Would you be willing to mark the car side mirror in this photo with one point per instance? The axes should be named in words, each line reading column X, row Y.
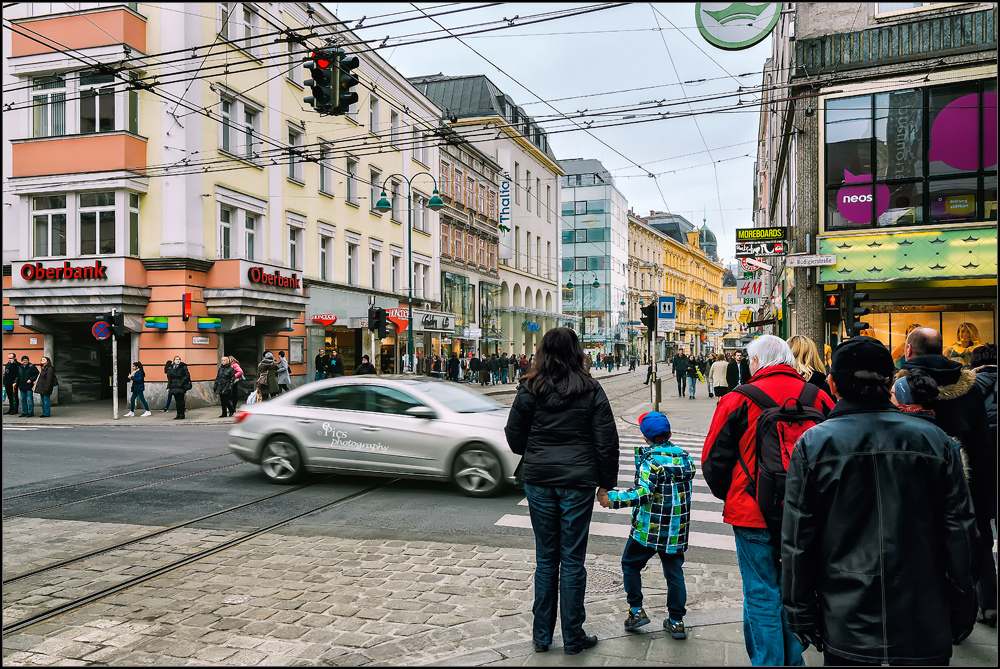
column 421, row 412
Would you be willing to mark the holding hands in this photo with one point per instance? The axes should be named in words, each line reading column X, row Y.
column 602, row 497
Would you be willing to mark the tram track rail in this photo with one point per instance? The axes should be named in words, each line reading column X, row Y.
column 188, row 559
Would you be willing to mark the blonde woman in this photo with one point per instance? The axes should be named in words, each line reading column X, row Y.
column 808, row 362
column 717, row 376
column 967, row 339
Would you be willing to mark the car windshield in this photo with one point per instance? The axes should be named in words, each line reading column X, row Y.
column 455, row 398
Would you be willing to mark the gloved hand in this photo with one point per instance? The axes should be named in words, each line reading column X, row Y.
column 812, row 637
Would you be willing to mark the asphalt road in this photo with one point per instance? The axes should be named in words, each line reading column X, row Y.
column 159, row 475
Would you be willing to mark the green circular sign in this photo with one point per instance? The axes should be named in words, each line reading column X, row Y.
column 736, row 25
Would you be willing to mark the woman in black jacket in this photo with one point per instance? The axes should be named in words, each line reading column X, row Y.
column 225, row 378
column 178, row 383
column 561, row 423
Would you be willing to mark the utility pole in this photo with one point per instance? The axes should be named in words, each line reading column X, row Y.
column 114, row 366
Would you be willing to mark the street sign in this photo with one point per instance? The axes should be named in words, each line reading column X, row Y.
column 101, row 330
column 668, row 307
column 747, row 267
column 755, row 265
column 760, row 249
column 812, row 261
column 666, row 325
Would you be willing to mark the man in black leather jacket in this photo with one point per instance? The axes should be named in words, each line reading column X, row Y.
column 878, row 532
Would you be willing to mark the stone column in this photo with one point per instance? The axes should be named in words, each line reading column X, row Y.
column 808, row 296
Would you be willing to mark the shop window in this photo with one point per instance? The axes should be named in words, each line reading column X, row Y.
column 97, row 223
column 912, row 157
column 97, row 102
column 225, row 233
column 49, row 225
column 49, row 107
column 133, row 224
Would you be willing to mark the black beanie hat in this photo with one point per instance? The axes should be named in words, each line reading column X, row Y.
column 862, row 354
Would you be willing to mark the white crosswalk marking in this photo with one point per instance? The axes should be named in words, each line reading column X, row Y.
column 707, row 527
column 28, row 428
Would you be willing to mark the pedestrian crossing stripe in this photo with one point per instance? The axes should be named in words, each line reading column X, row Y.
column 695, row 539
column 24, row 428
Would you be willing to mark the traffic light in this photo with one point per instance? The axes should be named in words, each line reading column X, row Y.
column 854, row 313
column 832, row 304
column 649, row 318
column 343, row 96
column 115, row 323
column 186, row 307
column 377, row 321
column 320, row 66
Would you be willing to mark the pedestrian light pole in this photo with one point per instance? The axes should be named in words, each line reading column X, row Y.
column 434, row 204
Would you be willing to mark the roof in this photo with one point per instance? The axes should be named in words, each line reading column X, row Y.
column 586, row 166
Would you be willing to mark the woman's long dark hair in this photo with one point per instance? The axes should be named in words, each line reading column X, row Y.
column 559, row 365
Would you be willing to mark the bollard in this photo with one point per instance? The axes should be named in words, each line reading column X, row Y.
column 656, row 394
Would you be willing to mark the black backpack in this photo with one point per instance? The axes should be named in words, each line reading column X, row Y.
column 778, row 428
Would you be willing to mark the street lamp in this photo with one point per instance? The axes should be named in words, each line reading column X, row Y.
column 434, row 204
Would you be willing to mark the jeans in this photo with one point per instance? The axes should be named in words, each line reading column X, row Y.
column 692, row 384
column 166, row 407
column 142, row 398
column 560, row 518
column 27, row 402
column 765, row 632
column 503, row 375
column 319, row 375
column 46, row 405
column 634, row 559
column 681, row 384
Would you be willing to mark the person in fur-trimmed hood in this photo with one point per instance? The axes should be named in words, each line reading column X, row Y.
column 960, row 410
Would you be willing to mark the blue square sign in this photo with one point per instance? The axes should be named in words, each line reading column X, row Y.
column 668, row 307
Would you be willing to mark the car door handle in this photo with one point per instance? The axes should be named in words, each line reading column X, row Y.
column 305, row 421
column 370, row 429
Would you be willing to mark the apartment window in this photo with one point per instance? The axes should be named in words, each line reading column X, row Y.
column 493, row 206
column 492, row 257
column 353, row 258
column 456, row 244
column 293, row 247
column 251, row 128
column 295, row 55
column 294, row 159
column 482, row 199
column 396, row 270
column 97, row 223
column 459, row 187
column 444, row 180
column 133, row 224
column 225, row 234
column 324, row 258
column 376, row 269
column 527, row 189
column 248, row 30
column 538, row 256
column 352, row 181
column 373, row 115
column 445, row 239
column 470, row 192
column 538, row 198
column 886, row 7
column 517, row 183
column 352, row 111
column 49, row 225
column 420, row 217
column 420, row 151
column 49, row 107
column 527, row 251
column 226, row 134
column 470, row 249
column 97, row 102
column 517, row 246
column 549, row 269
column 325, row 170
column 548, row 204
column 396, row 201
column 250, row 233
column 581, row 263
column 374, row 192
column 394, row 127
column 481, row 255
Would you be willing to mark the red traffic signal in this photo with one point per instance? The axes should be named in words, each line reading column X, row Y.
column 833, row 301
column 320, row 59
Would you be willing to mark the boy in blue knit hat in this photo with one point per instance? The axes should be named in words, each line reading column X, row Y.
column 661, row 519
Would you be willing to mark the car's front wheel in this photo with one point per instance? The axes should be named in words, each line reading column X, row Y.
column 477, row 471
column 281, row 460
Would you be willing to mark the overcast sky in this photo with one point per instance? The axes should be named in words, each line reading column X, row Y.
column 615, row 49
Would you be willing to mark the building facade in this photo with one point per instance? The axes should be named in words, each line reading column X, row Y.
column 595, row 255
column 215, row 182
column 892, row 111
column 526, row 302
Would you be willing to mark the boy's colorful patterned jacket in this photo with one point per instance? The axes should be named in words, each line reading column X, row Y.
column 661, row 497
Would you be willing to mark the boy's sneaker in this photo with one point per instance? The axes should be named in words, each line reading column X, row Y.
column 129, row 414
column 636, row 620
column 676, row 628
column 148, row 413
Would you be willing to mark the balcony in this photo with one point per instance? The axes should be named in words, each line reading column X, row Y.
column 72, row 154
column 898, row 43
column 100, row 27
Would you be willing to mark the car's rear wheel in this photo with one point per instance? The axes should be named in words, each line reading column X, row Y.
column 477, row 471
column 281, row 460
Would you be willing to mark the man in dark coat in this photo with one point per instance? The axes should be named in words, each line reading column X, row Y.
column 680, row 368
column 10, row 381
column 504, row 364
column 739, row 370
column 474, row 369
column 322, row 363
column 453, row 366
column 366, row 367
column 878, row 532
column 26, row 375
column 494, row 369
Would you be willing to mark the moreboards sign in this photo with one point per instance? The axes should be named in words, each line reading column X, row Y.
column 275, row 278
column 39, row 272
column 758, row 242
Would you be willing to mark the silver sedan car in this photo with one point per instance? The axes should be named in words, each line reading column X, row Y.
column 408, row 426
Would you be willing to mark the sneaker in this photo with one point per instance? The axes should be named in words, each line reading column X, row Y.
column 676, row 628
column 129, row 414
column 636, row 620
column 148, row 413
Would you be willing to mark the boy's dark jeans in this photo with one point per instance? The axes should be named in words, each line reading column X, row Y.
column 635, row 557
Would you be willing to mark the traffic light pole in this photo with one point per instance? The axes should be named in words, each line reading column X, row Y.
column 114, row 369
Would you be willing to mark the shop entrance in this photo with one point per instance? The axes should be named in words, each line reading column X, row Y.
column 83, row 364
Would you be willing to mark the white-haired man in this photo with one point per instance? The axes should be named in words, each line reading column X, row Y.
column 728, row 463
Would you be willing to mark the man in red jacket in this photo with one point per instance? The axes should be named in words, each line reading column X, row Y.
column 732, row 436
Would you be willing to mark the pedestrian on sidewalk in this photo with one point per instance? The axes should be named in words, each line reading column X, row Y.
column 562, row 424
column 494, row 369
column 45, row 384
column 167, row 366
column 454, row 367
column 26, row 375
column 322, row 362
column 878, row 535
column 524, row 366
column 730, row 445
column 504, row 367
column 138, row 378
column 473, row 368
column 237, row 377
column 366, row 366
column 284, row 378
column 10, row 369
column 649, row 373
column 679, row 365
column 692, row 377
column 808, row 363
column 267, row 376
column 661, row 520
column 717, row 376
column 739, row 370
column 178, row 383
column 225, row 378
